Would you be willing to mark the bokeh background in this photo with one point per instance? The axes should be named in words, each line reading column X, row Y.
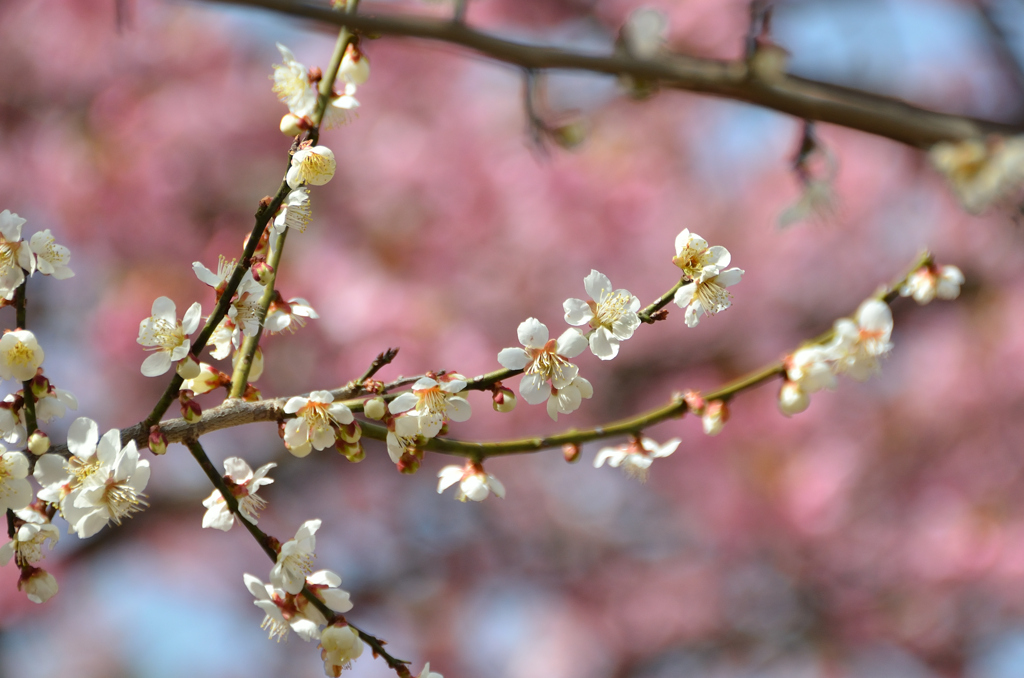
column 879, row 534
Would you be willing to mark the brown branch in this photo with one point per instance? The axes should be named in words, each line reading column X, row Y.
column 807, row 99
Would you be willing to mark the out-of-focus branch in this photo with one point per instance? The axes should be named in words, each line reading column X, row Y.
column 808, row 99
column 1001, row 45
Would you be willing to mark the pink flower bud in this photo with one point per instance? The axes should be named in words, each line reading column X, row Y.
column 571, row 452
column 157, row 440
column 38, row 443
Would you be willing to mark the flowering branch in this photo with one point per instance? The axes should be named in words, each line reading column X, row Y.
column 803, row 98
column 270, row 546
column 30, row 396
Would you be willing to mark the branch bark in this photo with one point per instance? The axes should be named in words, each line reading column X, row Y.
column 806, row 99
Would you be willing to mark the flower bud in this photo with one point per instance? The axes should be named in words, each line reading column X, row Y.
column 375, row 408
column 715, row 415
column 190, row 409
column 38, row 584
column 262, row 272
column 350, row 433
column 408, row 464
column 38, row 443
column 769, row 62
column 40, row 385
column 571, row 452
column 157, row 440
column 340, row 645
column 292, row 125
column 354, row 66
column 354, row 452
column 694, row 403
column 252, row 394
column 503, row 400
column 188, row 368
column 792, row 399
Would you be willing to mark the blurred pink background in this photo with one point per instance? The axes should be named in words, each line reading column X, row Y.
column 879, row 534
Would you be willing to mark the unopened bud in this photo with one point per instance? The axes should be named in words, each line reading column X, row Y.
column 354, row 452
column 190, row 409
column 188, row 368
column 793, row 399
column 694, row 402
column 293, row 125
column 315, row 74
column 354, row 66
column 769, row 62
column 660, row 314
column 40, row 384
column 350, row 433
column 157, row 440
column 715, row 415
column 38, row 443
column 252, row 394
column 38, row 584
column 408, row 464
column 503, row 400
column 571, row 452
column 262, row 272
column 570, row 135
column 375, row 408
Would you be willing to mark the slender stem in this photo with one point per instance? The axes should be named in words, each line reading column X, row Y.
column 263, row 215
column 459, row 15
column 345, row 37
column 647, row 312
column 267, row 542
column 240, row 375
column 29, row 405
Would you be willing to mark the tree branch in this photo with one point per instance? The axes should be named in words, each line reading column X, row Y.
column 808, row 99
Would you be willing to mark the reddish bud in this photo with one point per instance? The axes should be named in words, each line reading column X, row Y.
column 571, row 452
column 157, row 440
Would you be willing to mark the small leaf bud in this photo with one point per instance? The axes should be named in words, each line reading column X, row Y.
column 190, row 409
column 157, row 440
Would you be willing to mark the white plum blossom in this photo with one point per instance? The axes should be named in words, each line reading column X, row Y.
column 314, row 165
column 281, row 612
column 611, row 314
column 698, row 261
column 354, row 68
column 314, row 422
column 475, row 484
column 859, row 342
column 50, row 405
column 294, row 212
column 225, row 337
column 28, row 542
column 244, row 484
column 110, row 479
column 295, row 559
column 981, row 172
column 545, row 362
column 341, row 645
column 432, row 403
column 292, row 85
column 15, row 490
column 219, row 280
column 245, row 307
column 324, row 584
column 811, row 368
column 20, row 355
column 339, row 108
column 167, row 337
column 287, row 315
column 635, row 457
column 645, row 32
column 402, row 432
column 929, row 282
column 15, row 255
column 568, row 399
column 51, row 258
column 716, row 413
column 707, row 296
column 427, row 673
column 38, row 584
column 792, row 398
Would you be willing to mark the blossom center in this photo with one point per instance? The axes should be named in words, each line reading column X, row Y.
column 122, row 500
column 712, row 297
column 167, row 335
column 611, row 309
column 20, row 354
column 547, row 363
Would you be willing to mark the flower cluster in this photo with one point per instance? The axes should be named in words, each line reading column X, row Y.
column 317, row 422
column 981, row 172
column 296, row 86
column 704, row 269
column 548, row 375
column 431, row 404
column 18, row 258
column 855, row 348
column 244, row 484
